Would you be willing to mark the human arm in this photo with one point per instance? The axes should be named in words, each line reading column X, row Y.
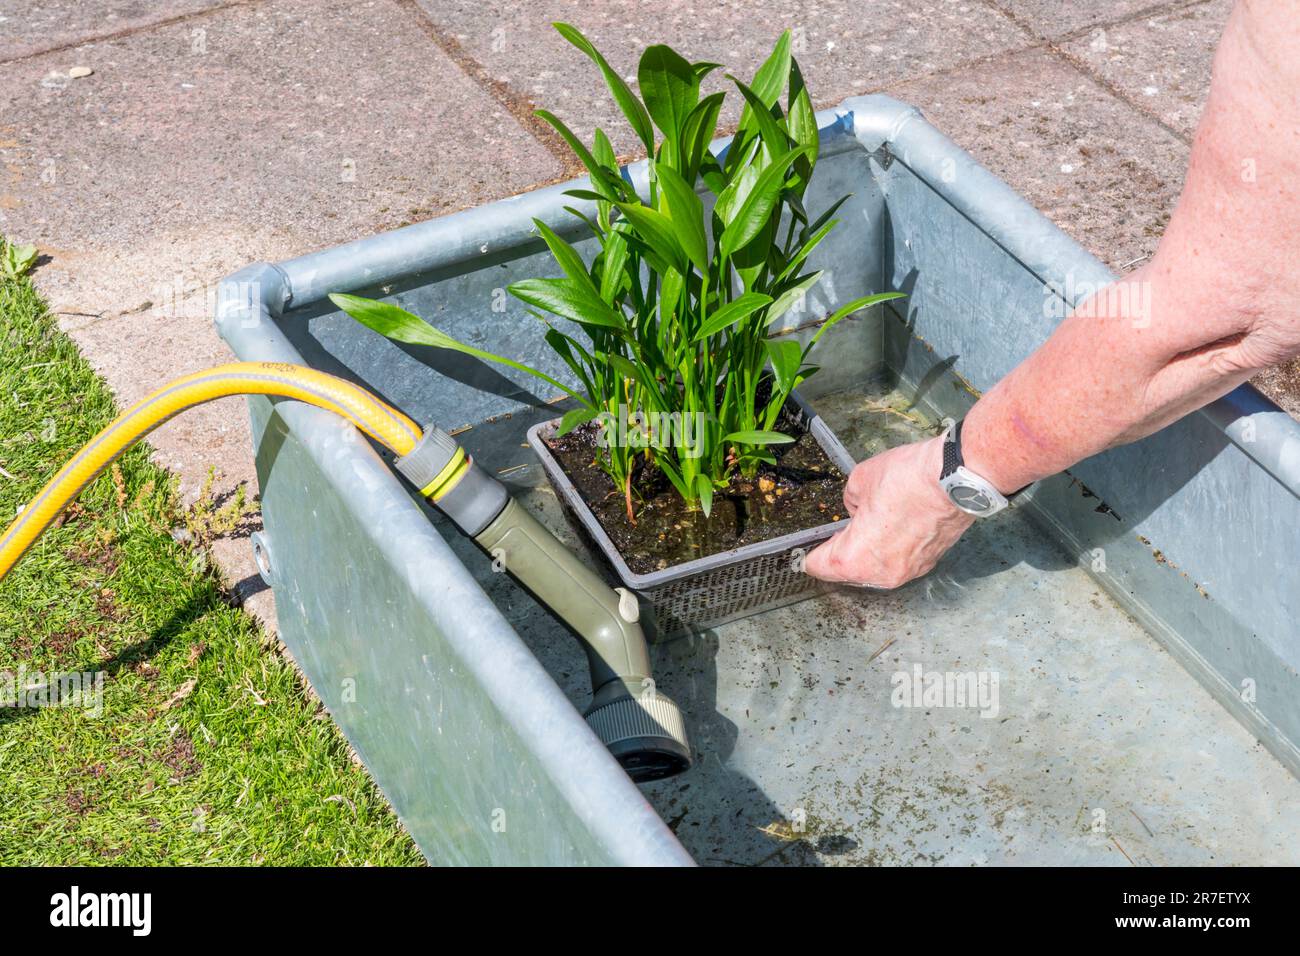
column 1215, row 305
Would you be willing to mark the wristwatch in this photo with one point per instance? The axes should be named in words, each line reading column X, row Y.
column 965, row 489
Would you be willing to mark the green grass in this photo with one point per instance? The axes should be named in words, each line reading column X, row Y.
column 209, row 749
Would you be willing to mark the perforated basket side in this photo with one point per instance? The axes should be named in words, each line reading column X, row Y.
column 729, row 593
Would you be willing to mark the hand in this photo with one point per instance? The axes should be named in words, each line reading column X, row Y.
column 902, row 520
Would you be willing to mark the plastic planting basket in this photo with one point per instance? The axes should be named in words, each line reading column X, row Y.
column 713, row 590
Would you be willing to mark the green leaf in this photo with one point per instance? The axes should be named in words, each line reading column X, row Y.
column 624, row 367
column 704, row 68
column 791, row 197
column 586, row 194
column 788, row 297
column 687, row 214
column 752, row 214
column 767, row 84
column 772, row 75
column 564, row 347
column 750, row 262
column 738, row 189
column 603, row 150
column 774, row 137
column 398, row 324
column 669, row 86
column 570, row 300
column 670, row 293
column 392, row 321
column 565, row 255
column 824, row 218
column 802, row 122
column 742, row 307
column 712, row 174
column 674, row 475
column 758, row 437
column 19, row 260
column 631, row 106
column 650, row 255
column 656, row 230
column 612, row 266
column 600, row 182
column 851, row 307
column 578, row 214
column 786, row 356
column 572, row 419
column 697, row 134
column 704, row 485
column 806, row 250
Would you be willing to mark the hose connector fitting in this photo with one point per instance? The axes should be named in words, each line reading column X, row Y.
column 448, row 477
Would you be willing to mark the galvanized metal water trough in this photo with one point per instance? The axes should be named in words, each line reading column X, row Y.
column 430, row 664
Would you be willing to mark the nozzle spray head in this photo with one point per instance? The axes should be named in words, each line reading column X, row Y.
column 643, row 729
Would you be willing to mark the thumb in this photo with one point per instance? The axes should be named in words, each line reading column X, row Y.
column 818, row 561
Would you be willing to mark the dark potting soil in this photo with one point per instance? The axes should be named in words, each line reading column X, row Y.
column 803, row 490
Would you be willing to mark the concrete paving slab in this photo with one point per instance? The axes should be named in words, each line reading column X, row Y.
column 1282, row 384
column 1054, row 19
column 35, row 27
column 1161, row 64
column 294, row 124
column 845, row 48
column 1105, row 174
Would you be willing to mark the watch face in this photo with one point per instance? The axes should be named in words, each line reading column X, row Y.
column 971, row 499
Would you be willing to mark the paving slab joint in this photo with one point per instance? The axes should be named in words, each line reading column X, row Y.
column 1056, row 46
column 111, row 35
column 519, row 107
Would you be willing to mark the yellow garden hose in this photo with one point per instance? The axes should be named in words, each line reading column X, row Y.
column 646, row 733
column 381, row 422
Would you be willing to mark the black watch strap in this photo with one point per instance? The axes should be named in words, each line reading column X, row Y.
column 952, row 459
